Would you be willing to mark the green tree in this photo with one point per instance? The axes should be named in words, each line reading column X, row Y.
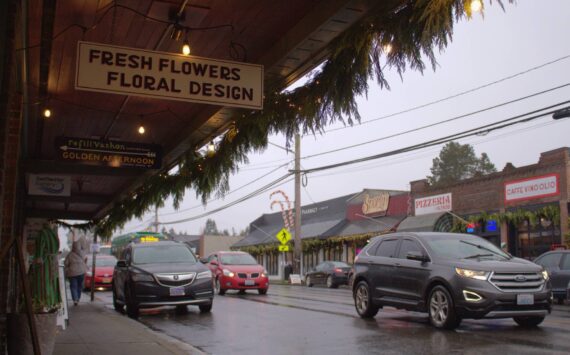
column 211, row 228
column 457, row 162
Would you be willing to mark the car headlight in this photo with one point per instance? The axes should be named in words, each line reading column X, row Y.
column 204, row 275
column 228, row 273
column 264, row 273
column 140, row 277
column 545, row 275
column 472, row 274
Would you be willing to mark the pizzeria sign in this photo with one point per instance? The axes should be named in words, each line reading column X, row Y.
column 141, row 72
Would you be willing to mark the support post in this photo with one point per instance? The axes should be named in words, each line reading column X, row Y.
column 93, row 269
column 297, row 252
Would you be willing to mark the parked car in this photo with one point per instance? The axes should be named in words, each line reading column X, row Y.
column 330, row 273
column 161, row 274
column 237, row 270
column 557, row 263
column 451, row 277
column 104, row 267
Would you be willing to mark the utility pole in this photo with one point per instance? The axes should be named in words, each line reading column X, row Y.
column 297, row 252
column 156, row 219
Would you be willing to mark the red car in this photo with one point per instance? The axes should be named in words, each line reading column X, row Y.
column 104, row 272
column 236, row 270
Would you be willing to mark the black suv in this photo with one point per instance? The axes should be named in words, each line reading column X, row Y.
column 160, row 274
column 449, row 276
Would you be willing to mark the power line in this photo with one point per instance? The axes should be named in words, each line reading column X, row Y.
column 455, row 95
column 475, row 131
column 436, row 123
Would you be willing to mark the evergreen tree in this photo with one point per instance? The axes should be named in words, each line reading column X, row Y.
column 457, row 162
column 211, row 228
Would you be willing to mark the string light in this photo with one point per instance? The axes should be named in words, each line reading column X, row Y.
column 387, row 48
column 141, row 129
column 47, row 113
column 211, row 149
column 476, row 5
column 186, row 45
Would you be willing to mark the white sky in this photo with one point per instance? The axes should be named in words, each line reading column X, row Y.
column 528, row 34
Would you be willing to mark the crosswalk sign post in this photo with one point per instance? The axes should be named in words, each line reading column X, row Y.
column 284, row 236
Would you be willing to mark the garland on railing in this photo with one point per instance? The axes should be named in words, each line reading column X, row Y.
column 516, row 217
column 412, row 29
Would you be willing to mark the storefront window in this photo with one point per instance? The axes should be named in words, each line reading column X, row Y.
column 532, row 241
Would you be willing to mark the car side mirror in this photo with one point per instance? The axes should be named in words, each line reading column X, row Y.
column 214, row 262
column 414, row 255
column 204, row 261
column 121, row 263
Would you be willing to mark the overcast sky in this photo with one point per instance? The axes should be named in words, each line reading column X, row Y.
column 526, row 35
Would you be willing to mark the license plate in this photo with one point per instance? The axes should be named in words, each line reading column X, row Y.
column 525, row 299
column 249, row 282
column 106, row 281
column 177, row 291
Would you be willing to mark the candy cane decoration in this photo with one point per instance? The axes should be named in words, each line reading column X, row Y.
column 287, row 214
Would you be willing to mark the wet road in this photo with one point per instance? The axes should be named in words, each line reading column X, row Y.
column 301, row 320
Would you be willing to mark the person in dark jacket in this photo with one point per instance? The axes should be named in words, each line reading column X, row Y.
column 75, row 266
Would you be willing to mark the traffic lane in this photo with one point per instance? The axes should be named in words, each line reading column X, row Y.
column 297, row 320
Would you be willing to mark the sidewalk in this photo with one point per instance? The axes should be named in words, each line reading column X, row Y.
column 95, row 329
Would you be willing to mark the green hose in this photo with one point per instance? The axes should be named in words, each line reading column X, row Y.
column 44, row 272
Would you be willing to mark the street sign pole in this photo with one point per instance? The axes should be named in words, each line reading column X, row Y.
column 297, row 252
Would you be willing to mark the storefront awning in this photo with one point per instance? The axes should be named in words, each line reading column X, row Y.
column 434, row 222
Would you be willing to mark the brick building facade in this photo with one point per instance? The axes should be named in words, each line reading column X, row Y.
column 526, row 189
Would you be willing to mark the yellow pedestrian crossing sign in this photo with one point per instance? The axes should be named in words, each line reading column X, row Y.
column 283, row 248
column 283, row 236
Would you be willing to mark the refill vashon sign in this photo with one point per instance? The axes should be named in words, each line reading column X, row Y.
column 140, row 72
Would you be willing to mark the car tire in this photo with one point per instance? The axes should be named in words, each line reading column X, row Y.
column 529, row 322
column 262, row 291
column 330, row 282
column 219, row 290
column 441, row 307
column 363, row 303
column 132, row 308
column 308, row 281
column 206, row 308
column 118, row 306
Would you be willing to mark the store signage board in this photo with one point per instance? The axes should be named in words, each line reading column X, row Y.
column 376, row 204
column 49, row 185
column 109, row 153
column 141, row 72
column 433, row 204
column 536, row 187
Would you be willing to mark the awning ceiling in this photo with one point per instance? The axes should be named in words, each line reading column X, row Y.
column 287, row 37
column 434, row 222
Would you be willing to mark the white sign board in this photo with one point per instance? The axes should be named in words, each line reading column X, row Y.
column 295, row 279
column 95, row 247
column 49, row 185
column 527, row 189
column 141, row 72
column 433, row 204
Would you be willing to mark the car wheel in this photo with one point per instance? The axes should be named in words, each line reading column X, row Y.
column 308, row 281
column 219, row 290
column 262, row 291
column 132, row 308
column 442, row 313
column 363, row 301
column 118, row 307
column 330, row 282
column 529, row 322
column 205, row 308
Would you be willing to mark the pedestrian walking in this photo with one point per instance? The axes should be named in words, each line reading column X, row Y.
column 75, row 266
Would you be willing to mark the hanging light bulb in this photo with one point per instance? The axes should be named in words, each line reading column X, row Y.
column 387, row 48
column 141, row 129
column 211, row 149
column 186, row 47
column 476, row 5
column 47, row 113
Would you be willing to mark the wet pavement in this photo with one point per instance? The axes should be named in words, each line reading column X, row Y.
column 301, row 320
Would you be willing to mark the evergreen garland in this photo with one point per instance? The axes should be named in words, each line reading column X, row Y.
column 413, row 29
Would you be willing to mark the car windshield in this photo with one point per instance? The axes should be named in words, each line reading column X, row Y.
column 464, row 248
column 106, row 261
column 163, row 254
column 238, row 259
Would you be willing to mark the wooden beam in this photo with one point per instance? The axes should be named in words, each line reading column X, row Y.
column 66, row 168
column 58, row 214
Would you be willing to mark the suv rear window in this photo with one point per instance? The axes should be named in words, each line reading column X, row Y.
column 163, row 254
column 550, row 260
column 387, row 248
